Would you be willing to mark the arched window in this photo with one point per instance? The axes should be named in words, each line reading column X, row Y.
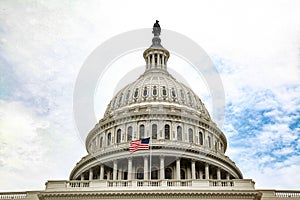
column 154, row 91
column 190, row 98
column 182, row 174
column 129, row 133
column 167, row 131
column 182, row 95
column 221, row 147
column 136, row 93
column 173, row 92
column 145, row 93
column 164, row 91
column 108, row 139
column 101, row 142
column 128, row 94
column 168, row 173
column 140, row 173
column 142, row 131
column 209, row 141
column 120, row 100
column 200, row 138
column 154, row 131
column 119, row 136
column 191, row 136
column 179, row 133
column 154, row 173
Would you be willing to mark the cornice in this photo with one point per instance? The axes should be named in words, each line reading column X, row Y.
column 140, row 194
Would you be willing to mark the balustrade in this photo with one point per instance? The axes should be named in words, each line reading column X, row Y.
column 78, row 184
column 13, row 195
column 287, row 194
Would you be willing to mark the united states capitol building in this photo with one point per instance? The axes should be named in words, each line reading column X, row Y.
column 186, row 159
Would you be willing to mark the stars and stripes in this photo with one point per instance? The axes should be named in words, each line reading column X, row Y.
column 142, row 144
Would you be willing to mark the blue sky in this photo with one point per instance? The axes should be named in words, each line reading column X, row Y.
column 253, row 44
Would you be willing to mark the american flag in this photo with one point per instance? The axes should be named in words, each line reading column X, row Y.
column 142, row 144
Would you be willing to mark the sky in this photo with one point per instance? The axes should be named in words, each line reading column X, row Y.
column 253, row 44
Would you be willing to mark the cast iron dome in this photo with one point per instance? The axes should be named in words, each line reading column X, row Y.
column 185, row 142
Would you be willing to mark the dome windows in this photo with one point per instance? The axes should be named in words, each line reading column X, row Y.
column 120, row 100
column 164, row 91
column 128, row 95
column 182, row 95
column 191, row 135
column 173, row 93
column 119, row 136
column 179, row 133
column 129, row 133
column 154, row 131
column 145, row 92
column 209, row 141
column 101, row 142
column 108, row 139
column 168, row 173
column 154, row 91
column 167, row 131
column 136, row 93
column 142, row 131
column 200, row 138
column 190, row 98
column 140, row 173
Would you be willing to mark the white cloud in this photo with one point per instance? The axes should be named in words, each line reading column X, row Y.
column 45, row 44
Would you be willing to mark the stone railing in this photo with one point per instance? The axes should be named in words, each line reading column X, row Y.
column 13, row 195
column 245, row 184
column 76, row 184
column 287, row 194
column 221, row 183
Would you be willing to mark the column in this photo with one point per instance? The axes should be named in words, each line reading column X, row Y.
column 178, row 169
column 82, row 176
column 158, row 59
column 91, row 174
column 162, row 168
column 228, row 176
column 152, row 61
column 148, row 62
column 206, row 171
column 146, row 171
column 120, row 171
column 108, row 175
column 101, row 172
column 188, row 173
column 200, row 174
column 129, row 168
column 193, row 166
column 219, row 174
column 115, row 170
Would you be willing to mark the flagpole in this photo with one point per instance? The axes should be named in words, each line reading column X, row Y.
column 150, row 157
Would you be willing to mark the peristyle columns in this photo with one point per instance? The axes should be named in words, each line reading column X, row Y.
column 206, row 171
column 178, row 169
column 146, row 167
column 162, row 167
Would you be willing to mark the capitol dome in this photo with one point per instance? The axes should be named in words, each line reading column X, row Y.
column 185, row 144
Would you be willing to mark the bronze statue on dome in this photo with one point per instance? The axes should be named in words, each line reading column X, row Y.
column 156, row 29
